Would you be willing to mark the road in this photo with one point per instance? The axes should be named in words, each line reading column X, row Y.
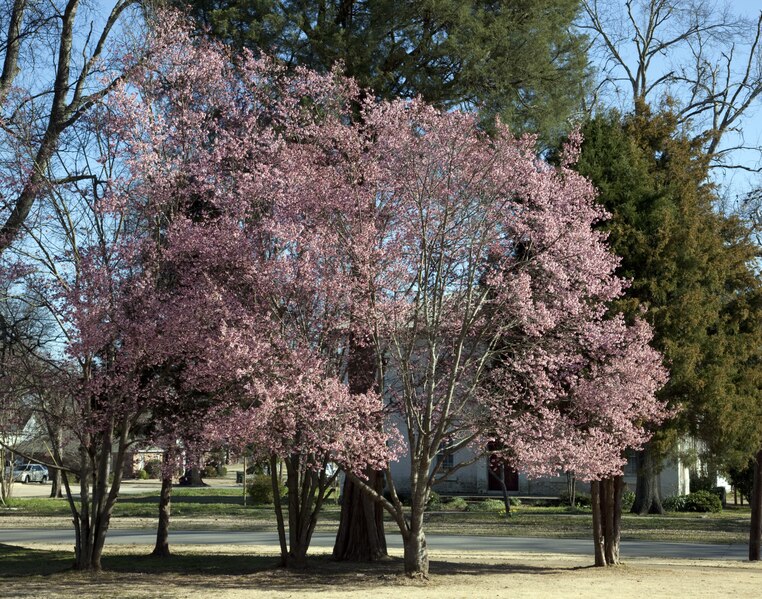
column 442, row 542
column 128, row 487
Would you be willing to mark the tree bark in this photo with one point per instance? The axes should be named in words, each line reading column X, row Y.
column 307, row 490
column 56, row 488
column 161, row 548
column 598, row 544
column 361, row 535
column 96, row 499
column 361, row 527
column 755, row 529
column 613, row 533
column 503, row 488
column 647, row 492
column 297, row 547
column 606, row 499
column 416, row 554
column 196, row 480
column 275, row 479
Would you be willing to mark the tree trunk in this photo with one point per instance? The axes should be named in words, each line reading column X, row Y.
column 361, row 535
column 297, row 548
column 307, row 490
column 56, row 488
column 275, row 479
column 96, row 499
column 56, row 436
column 196, row 480
column 361, row 527
column 598, row 544
column 647, row 492
column 606, row 499
column 613, row 532
column 755, row 529
column 6, row 479
column 503, row 487
column 571, row 488
column 416, row 554
column 165, row 507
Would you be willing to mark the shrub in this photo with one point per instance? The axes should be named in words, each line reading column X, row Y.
column 628, row 500
column 743, row 479
column 435, row 502
column 702, row 482
column 153, row 468
column 222, row 471
column 260, row 489
column 700, row 501
column 488, row 505
column 141, row 474
column 675, row 503
column 209, row 471
column 456, row 504
column 580, row 499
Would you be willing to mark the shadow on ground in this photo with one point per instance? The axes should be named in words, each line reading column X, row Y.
column 231, row 571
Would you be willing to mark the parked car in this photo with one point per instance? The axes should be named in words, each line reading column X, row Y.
column 27, row 473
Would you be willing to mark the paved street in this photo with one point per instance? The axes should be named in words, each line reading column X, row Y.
column 128, row 487
column 444, row 542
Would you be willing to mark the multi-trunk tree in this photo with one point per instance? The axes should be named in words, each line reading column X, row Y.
column 473, row 253
column 261, row 231
column 518, row 60
column 450, row 250
column 236, row 232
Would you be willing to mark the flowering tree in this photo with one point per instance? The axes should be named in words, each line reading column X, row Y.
column 315, row 425
column 269, row 232
column 223, row 158
column 573, row 404
column 486, row 289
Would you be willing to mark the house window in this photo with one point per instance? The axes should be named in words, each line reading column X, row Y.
column 631, row 467
column 445, row 459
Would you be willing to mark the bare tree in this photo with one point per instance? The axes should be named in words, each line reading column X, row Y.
column 23, row 331
column 53, row 71
column 697, row 55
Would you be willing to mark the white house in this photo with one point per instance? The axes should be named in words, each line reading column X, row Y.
column 475, row 478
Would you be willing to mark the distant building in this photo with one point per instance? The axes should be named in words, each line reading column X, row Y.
column 475, row 479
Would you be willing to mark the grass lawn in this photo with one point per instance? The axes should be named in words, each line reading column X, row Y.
column 221, row 508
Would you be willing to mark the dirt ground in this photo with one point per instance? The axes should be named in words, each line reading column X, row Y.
column 453, row 575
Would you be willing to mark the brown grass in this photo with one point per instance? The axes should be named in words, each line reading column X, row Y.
column 250, row 572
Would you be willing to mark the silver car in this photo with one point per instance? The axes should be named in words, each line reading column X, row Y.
column 27, row 473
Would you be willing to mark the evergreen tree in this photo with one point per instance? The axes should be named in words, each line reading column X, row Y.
column 515, row 58
column 690, row 266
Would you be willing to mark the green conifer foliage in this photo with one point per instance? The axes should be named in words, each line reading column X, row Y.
column 693, row 268
column 515, row 58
